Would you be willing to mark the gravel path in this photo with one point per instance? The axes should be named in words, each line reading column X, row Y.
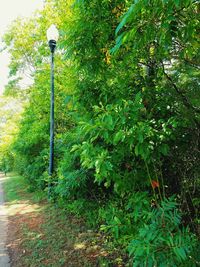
column 4, row 259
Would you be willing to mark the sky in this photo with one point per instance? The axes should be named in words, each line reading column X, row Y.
column 10, row 10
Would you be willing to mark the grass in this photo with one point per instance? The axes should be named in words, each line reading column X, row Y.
column 41, row 234
column 17, row 188
column 11, row 188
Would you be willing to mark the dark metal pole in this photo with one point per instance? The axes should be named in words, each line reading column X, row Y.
column 52, row 118
column 52, row 45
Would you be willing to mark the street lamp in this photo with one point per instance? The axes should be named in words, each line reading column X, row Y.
column 52, row 36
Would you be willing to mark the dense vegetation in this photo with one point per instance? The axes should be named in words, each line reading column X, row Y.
column 127, row 119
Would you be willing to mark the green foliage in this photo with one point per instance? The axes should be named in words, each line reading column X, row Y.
column 10, row 109
column 118, row 139
column 122, row 218
column 30, row 55
column 7, row 161
column 153, row 231
column 160, row 240
column 127, row 118
column 73, row 181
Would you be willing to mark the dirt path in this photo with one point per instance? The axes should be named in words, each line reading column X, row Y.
column 42, row 234
column 4, row 259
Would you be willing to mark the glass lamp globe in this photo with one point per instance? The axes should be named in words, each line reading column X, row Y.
column 52, row 33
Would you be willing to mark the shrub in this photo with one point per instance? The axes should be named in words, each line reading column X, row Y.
column 162, row 240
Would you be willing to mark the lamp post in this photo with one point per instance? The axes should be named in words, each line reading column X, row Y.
column 52, row 36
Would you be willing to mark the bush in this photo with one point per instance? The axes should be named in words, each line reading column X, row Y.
column 162, row 240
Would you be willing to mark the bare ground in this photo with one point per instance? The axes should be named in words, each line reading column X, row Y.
column 39, row 234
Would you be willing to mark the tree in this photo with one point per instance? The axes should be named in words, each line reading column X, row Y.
column 127, row 118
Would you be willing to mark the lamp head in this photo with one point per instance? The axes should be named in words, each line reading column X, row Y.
column 52, row 33
column 52, row 37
